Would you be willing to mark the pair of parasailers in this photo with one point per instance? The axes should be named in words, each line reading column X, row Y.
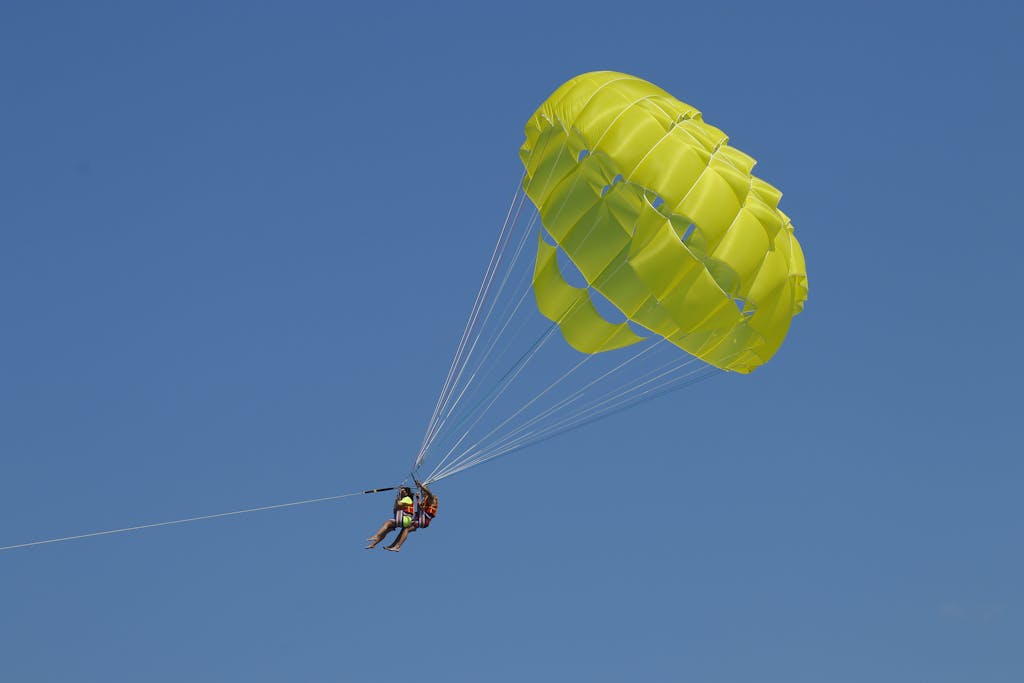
column 411, row 511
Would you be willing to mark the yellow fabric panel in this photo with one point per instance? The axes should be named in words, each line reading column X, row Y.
column 575, row 194
column 555, row 297
column 630, row 292
column 712, row 203
column 738, row 159
column 737, row 179
column 627, row 288
column 549, row 161
column 582, row 326
column 743, row 248
column 627, row 202
column 674, row 156
column 707, row 137
column 663, row 262
column 620, row 170
column 768, row 194
column 583, row 330
column 629, row 137
column 594, row 241
column 738, row 348
column 798, row 269
column 647, row 222
column 770, row 219
column 620, row 282
column 623, row 99
column 772, row 321
column 567, row 204
column 770, row 277
column 697, row 302
column 598, row 113
column 653, row 316
column 549, row 155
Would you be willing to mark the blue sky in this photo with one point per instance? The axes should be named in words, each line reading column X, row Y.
column 237, row 248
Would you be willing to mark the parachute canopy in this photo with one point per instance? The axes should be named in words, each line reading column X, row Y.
column 654, row 239
column 664, row 219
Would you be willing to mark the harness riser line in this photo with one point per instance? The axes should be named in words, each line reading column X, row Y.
column 187, row 520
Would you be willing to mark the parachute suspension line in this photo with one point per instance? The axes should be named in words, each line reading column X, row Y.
column 450, row 461
column 596, row 408
column 568, row 400
column 550, row 387
column 480, row 407
column 522, row 408
column 497, row 388
column 505, row 382
column 601, row 408
column 514, row 208
column 567, row 374
column 188, row 520
column 448, row 407
column 608, row 406
column 451, row 404
column 583, row 420
column 475, row 450
column 661, row 383
column 530, row 432
column 468, row 332
column 519, row 199
column 592, row 414
column 497, row 391
column 526, row 433
column 509, row 316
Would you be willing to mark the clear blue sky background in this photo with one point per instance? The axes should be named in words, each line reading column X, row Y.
column 238, row 245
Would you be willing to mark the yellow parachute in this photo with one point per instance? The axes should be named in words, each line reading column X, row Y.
column 663, row 218
column 677, row 246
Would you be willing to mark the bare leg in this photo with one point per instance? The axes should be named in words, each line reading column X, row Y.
column 400, row 539
column 385, row 528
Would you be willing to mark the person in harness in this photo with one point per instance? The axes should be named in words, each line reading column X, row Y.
column 426, row 510
column 403, row 512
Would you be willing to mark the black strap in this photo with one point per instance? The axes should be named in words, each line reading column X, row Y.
column 389, row 488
